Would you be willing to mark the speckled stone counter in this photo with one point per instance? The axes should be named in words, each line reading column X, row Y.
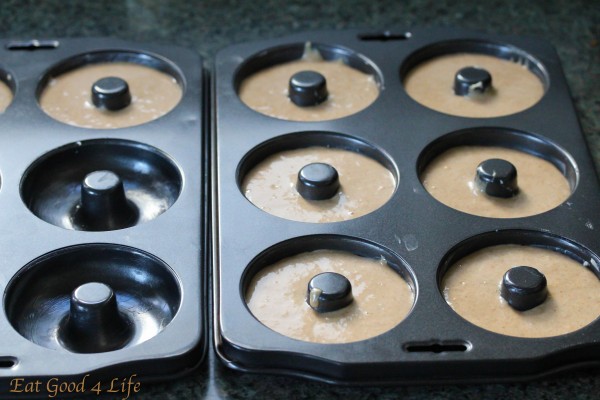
column 572, row 26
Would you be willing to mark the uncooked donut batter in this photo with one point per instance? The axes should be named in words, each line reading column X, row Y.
column 67, row 97
column 514, row 87
column 365, row 185
column 350, row 90
column 277, row 297
column 472, row 288
column 450, row 178
column 6, row 96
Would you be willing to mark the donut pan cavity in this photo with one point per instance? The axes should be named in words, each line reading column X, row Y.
column 104, row 267
column 433, row 343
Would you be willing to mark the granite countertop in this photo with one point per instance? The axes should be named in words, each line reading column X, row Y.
column 573, row 27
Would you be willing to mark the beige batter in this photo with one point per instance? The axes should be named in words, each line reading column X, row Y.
column 67, row 97
column 277, row 298
column 514, row 87
column 350, row 90
column 450, row 178
column 6, row 96
column 472, row 288
column 365, row 185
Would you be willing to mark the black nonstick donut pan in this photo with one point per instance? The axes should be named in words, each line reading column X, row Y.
column 418, row 235
column 103, row 239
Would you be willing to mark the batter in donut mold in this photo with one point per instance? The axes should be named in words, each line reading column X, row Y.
column 350, row 90
column 514, row 87
column 365, row 185
column 6, row 96
column 276, row 296
column 450, row 178
column 68, row 97
column 472, row 288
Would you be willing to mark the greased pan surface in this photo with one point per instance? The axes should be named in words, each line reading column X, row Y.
column 146, row 250
column 417, row 235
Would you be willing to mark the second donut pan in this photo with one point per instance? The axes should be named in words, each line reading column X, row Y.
column 103, row 238
column 417, row 235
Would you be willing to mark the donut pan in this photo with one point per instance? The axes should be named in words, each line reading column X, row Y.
column 103, row 266
column 418, row 236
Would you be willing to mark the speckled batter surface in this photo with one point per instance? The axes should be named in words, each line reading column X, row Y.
column 277, row 297
column 472, row 288
column 450, row 178
column 68, row 97
column 365, row 185
column 514, row 87
column 350, row 91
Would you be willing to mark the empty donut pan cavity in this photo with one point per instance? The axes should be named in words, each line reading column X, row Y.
column 417, row 235
column 89, row 205
column 101, row 185
column 118, row 297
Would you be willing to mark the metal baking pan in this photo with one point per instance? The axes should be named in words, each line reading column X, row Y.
column 96, row 284
column 418, row 235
